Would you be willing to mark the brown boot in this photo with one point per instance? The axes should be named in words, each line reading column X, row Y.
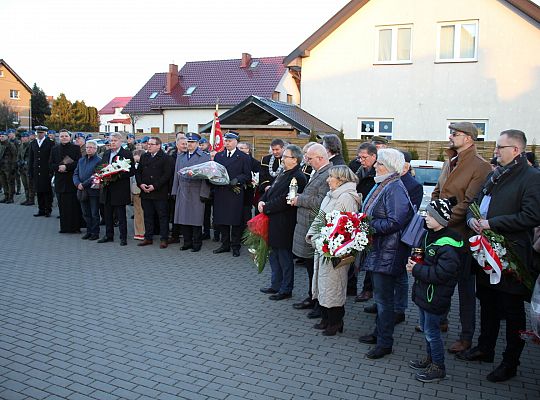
column 145, row 242
column 459, row 346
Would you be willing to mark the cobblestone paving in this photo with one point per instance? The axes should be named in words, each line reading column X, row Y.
column 81, row 320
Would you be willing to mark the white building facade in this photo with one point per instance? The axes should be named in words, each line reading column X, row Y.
column 406, row 69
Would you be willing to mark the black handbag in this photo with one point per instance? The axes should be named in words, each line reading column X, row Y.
column 413, row 232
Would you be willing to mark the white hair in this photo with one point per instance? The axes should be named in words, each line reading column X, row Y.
column 92, row 142
column 117, row 135
column 392, row 159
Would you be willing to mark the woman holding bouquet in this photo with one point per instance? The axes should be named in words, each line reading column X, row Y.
column 329, row 285
column 281, row 224
column 389, row 207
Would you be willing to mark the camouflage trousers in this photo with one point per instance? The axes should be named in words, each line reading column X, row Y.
column 27, row 184
column 7, row 181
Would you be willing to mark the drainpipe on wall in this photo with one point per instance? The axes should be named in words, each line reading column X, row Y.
column 162, row 121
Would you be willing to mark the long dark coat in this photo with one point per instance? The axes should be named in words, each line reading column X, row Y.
column 154, row 171
column 188, row 208
column 282, row 216
column 228, row 205
column 514, row 211
column 38, row 161
column 63, row 181
column 118, row 193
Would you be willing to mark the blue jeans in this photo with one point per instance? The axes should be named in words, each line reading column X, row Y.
column 401, row 293
column 90, row 212
column 383, row 293
column 430, row 324
column 282, row 265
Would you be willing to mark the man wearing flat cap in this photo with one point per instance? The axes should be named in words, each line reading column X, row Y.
column 229, row 200
column 39, row 170
column 379, row 141
column 462, row 177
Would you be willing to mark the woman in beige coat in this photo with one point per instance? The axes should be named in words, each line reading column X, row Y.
column 329, row 284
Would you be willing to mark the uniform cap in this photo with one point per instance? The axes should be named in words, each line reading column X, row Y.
column 232, row 135
column 193, row 137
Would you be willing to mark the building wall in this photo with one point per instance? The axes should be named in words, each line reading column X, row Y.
column 286, row 86
column 341, row 81
column 22, row 105
column 104, row 126
column 193, row 118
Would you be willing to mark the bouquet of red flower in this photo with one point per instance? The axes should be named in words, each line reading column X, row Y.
column 256, row 239
column 343, row 236
column 108, row 173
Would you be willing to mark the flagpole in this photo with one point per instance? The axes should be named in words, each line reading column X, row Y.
column 213, row 131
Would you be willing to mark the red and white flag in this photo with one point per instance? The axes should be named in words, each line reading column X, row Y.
column 216, row 136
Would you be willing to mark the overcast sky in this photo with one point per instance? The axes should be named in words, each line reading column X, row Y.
column 100, row 49
column 96, row 50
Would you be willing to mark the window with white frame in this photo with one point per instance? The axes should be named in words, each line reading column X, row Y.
column 457, row 41
column 394, row 44
column 481, row 125
column 1, row 73
column 368, row 127
column 14, row 94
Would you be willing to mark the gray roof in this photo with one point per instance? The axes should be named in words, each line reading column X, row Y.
column 261, row 111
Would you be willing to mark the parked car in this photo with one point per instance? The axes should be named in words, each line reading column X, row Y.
column 427, row 173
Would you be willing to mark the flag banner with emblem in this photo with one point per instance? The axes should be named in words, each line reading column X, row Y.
column 216, row 136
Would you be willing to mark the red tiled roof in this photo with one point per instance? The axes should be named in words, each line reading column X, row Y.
column 126, row 121
column 217, row 79
column 117, row 102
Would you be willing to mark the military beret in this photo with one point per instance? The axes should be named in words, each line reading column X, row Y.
column 3, row 133
column 467, row 128
column 131, row 135
column 25, row 134
column 89, row 136
column 379, row 140
column 80, row 134
column 145, row 139
column 232, row 135
column 11, row 130
column 203, row 140
column 193, row 137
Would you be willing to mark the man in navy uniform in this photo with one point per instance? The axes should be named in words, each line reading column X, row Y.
column 39, row 171
column 229, row 200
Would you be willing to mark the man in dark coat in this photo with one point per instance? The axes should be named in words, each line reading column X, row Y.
column 333, row 147
column 22, row 163
column 229, row 200
column 39, row 171
column 271, row 165
column 116, row 195
column 153, row 175
column 281, row 224
column 63, row 161
column 8, row 165
column 508, row 203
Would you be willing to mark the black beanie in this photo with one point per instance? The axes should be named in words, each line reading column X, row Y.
column 441, row 209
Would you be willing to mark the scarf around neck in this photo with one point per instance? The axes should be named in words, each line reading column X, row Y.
column 377, row 189
column 502, row 171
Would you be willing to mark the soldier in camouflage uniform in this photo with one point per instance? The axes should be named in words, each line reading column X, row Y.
column 22, row 163
column 8, row 163
column 12, row 137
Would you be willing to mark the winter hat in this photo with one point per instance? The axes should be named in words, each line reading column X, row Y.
column 441, row 210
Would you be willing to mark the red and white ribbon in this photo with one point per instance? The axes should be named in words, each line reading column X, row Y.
column 493, row 265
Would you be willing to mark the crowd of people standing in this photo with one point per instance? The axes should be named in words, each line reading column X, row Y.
column 378, row 182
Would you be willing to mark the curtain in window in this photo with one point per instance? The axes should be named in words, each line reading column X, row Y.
column 446, row 47
column 404, row 44
column 468, row 39
column 385, row 45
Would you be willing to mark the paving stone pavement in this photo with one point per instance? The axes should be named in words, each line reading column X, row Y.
column 81, row 320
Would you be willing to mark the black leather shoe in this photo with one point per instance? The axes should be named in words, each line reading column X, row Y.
column 399, row 318
column 186, row 247
column 104, row 239
column 221, row 250
column 196, row 249
column 280, row 296
column 48, row 214
column 372, row 309
column 368, row 339
column 93, row 237
column 502, row 373
column 315, row 313
column 378, row 352
column 305, row 304
column 87, row 236
column 475, row 354
column 236, row 253
column 205, row 236
column 39, row 214
column 123, row 242
column 268, row 290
